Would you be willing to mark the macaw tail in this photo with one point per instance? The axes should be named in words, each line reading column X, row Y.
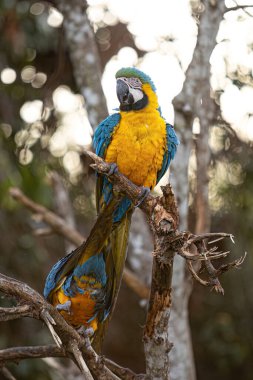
column 115, row 250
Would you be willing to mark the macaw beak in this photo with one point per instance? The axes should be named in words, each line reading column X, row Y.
column 123, row 93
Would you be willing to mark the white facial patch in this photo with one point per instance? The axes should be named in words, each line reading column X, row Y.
column 137, row 94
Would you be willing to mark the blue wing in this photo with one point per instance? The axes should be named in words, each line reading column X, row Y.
column 171, row 148
column 103, row 134
column 55, row 274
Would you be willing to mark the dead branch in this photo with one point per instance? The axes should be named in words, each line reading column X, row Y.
column 16, row 354
column 238, row 7
column 136, row 285
column 63, row 204
column 57, row 224
column 123, row 373
column 7, row 374
column 9, row 313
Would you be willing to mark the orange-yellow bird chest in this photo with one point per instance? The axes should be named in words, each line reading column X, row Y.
column 138, row 144
column 81, row 311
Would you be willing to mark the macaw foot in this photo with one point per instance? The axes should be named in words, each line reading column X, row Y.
column 64, row 306
column 86, row 332
column 144, row 193
column 113, row 169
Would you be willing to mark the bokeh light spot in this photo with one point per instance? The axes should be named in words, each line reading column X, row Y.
column 55, row 18
column 28, row 73
column 31, row 111
column 39, row 80
column 37, row 8
column 25, row 156
column 8, row 75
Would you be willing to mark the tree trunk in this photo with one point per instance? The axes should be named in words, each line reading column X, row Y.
column 82, row 47
column 194, row 101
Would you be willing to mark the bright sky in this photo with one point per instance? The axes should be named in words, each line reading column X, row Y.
column 154, row 25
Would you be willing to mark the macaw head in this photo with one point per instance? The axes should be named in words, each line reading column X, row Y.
column 133, row 88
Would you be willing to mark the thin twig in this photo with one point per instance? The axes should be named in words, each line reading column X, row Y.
column 7, row 374
column 57, row 223
column 81, row 363
column 49, row 321
column 123, row 373
column 8, row 313
column 237, row 7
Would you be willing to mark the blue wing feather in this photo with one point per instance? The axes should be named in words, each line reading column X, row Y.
column 55, row 274
column 170, row 151
column 103, row 134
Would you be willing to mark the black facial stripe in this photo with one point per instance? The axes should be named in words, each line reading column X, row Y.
column 135, row 106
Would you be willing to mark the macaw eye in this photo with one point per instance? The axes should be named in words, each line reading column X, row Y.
column 135, row 83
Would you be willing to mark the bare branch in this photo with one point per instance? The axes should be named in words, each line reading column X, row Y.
column 57, row 223
column 237, row 7
column 63, row 205
column 43, row 231
column 81, row 363
column 138, row 287
column 16, row 354
column 9, row 313
column 123, row 373
column 7, row 374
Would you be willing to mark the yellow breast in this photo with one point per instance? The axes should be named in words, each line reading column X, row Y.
column 81, row 311
column 138, row 143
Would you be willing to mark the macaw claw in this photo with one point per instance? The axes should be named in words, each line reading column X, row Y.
column 64, row 306
column 144, row 193
column 113, row 169
column 87, row 332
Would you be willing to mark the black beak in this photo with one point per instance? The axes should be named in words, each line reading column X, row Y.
column 123, row 94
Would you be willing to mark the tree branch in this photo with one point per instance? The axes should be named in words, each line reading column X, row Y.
column 237, row 7
column 123, row 373
column 63, row 205
column 58, row 224
column 15, row 354
column 9, row 313
column 7, row 374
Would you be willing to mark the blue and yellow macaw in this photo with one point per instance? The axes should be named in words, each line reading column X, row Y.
column 84, row 284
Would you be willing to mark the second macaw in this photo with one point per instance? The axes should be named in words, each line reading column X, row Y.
column 84, row 284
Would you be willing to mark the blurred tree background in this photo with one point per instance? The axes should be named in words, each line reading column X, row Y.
column 43, row 118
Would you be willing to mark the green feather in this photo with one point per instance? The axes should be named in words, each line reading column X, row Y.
column 132, row 72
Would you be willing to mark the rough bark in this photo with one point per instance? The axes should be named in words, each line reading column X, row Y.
column 84, row 56
column 194, row 101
